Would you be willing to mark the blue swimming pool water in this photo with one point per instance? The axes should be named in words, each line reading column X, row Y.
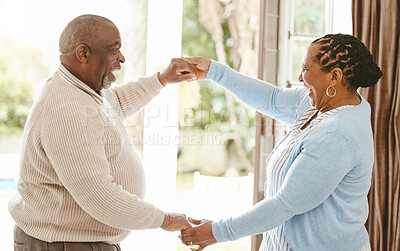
column 8, row 184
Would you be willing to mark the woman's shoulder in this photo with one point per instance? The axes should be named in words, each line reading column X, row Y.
column 352, row 123
column 353, row 117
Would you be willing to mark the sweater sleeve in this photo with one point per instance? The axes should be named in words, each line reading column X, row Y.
column 127, row 99
column 279, row 103
column 72, row 139
column 313, row 176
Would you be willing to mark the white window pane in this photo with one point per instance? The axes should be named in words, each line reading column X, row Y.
column 309, row 17
column 342, row 20
column 299, row 48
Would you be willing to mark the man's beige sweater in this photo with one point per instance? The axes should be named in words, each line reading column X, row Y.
column 80, row 177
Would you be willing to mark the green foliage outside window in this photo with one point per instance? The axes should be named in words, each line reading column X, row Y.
column 309, row 19
column 21, row 68
column 205, row 106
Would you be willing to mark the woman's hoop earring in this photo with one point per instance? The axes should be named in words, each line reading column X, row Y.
column 334, row 91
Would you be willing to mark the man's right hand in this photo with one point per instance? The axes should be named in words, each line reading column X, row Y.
column 177, row 71
column 175, row 222
column 200, row 66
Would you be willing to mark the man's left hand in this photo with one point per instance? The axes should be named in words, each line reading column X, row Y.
column 174, row 222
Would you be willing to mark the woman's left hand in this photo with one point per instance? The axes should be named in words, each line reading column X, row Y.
column 200, row 234
column 177, row 71
column 200, row 66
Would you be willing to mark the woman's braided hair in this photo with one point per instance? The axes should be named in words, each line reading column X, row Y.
column 350, row 55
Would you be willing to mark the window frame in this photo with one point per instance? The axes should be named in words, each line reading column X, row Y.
column 330, row 7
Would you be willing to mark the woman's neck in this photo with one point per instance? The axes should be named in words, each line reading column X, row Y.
column 341, row 99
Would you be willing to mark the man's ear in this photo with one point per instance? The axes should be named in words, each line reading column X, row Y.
column 82, row 53
column 336, row 76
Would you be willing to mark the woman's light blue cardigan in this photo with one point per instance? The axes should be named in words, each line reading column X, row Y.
column 323, row 199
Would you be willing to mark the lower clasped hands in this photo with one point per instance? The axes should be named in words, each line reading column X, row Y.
column 199, row 235
column 175, row 222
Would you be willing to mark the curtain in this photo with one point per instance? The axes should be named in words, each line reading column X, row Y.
column 376, row 23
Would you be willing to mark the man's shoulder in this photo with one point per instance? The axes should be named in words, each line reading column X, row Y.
column 59, row 91
column 59, row 98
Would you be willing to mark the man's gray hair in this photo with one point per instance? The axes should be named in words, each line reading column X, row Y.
column 81, row 30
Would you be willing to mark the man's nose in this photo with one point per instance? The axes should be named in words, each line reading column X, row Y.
column 121, row 58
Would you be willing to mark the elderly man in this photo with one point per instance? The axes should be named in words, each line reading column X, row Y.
column 81, row 183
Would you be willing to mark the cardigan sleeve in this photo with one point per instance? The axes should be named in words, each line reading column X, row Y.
column 129, row 98
column 279, row 103
column 311, row 179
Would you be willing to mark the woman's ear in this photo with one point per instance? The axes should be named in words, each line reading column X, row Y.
column 336, row 76
column 82, row 53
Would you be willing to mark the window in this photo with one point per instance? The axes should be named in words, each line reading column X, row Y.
column 309, row 20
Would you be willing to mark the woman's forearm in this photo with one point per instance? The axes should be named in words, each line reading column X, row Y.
column 279, row 103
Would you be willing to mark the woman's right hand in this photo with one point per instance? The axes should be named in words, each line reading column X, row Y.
column 200, row 65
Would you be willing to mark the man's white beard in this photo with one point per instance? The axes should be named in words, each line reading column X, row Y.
column 106, row 83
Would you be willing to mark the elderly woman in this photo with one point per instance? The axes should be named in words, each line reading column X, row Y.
column 319, row 174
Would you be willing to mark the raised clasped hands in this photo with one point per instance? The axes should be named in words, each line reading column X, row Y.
column 184, row 69
column 199, row 66
column 199, row 235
